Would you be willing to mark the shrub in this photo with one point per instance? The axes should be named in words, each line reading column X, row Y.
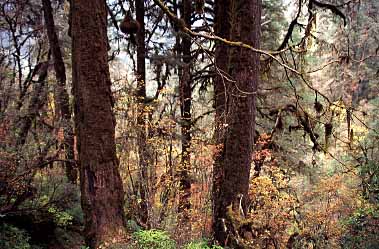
column 203, row 244
column 147, row 239
column 362, row 229
column 13, row 237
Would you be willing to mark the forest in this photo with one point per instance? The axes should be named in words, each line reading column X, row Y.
column 193, row 124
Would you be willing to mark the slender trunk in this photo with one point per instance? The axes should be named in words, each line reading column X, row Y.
column 61, row 95
column 232, row 166
column 101, row 186
column 36, row 102
column 141, row 95
column 185, row 107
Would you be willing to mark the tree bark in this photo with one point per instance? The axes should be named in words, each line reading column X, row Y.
column 61, row 95
column 235, row 107
column 101, row 186
column 222, row 29
column 185, row 107
column 141, row 95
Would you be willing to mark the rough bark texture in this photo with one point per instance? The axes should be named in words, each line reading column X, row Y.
column 235, row 104
column 100, row 181
column 141, row 94
column 61, row 95
column 185, row 107
column 222, row 29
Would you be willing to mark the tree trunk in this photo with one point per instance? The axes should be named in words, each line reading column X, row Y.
column 235, row 108
column 101, row 186
column 185, row 107
column 141, row 95
column 222, row 29
column 61, row 95
column 36, row 102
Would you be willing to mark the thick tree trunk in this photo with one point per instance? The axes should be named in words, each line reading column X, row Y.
column 235, row 105
column 141, row 95
column 61, row 95
column 185, row 107
column 100, row 181
column 222, row 29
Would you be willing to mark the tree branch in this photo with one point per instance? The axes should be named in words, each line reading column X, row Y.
column 181, row 25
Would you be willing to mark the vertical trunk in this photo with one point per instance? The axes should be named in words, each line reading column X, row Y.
column 36, row 102
column 141, row 95
column 185, row 107
column 232, row 168
column 222, row 28
column 100, row 181
column 61, row 95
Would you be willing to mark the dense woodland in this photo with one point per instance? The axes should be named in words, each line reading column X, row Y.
column 192, row 124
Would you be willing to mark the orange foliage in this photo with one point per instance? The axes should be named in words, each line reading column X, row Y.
column 271, row 212
column 330, row 201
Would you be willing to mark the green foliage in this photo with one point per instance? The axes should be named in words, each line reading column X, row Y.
column 369, row 172
column 13, row 237
column 273, row 27
column 61, row 218
column 57, row 199
column 132, row 226
column 203, row 244
column 146, row 239
column 362, row 229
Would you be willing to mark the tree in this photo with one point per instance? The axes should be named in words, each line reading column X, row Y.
column 185, row 94
column 142, row 99
column 235, row 107
column 100, row 181
column 61, row 95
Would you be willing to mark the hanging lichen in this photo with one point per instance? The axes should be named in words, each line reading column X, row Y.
column 328, row 133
